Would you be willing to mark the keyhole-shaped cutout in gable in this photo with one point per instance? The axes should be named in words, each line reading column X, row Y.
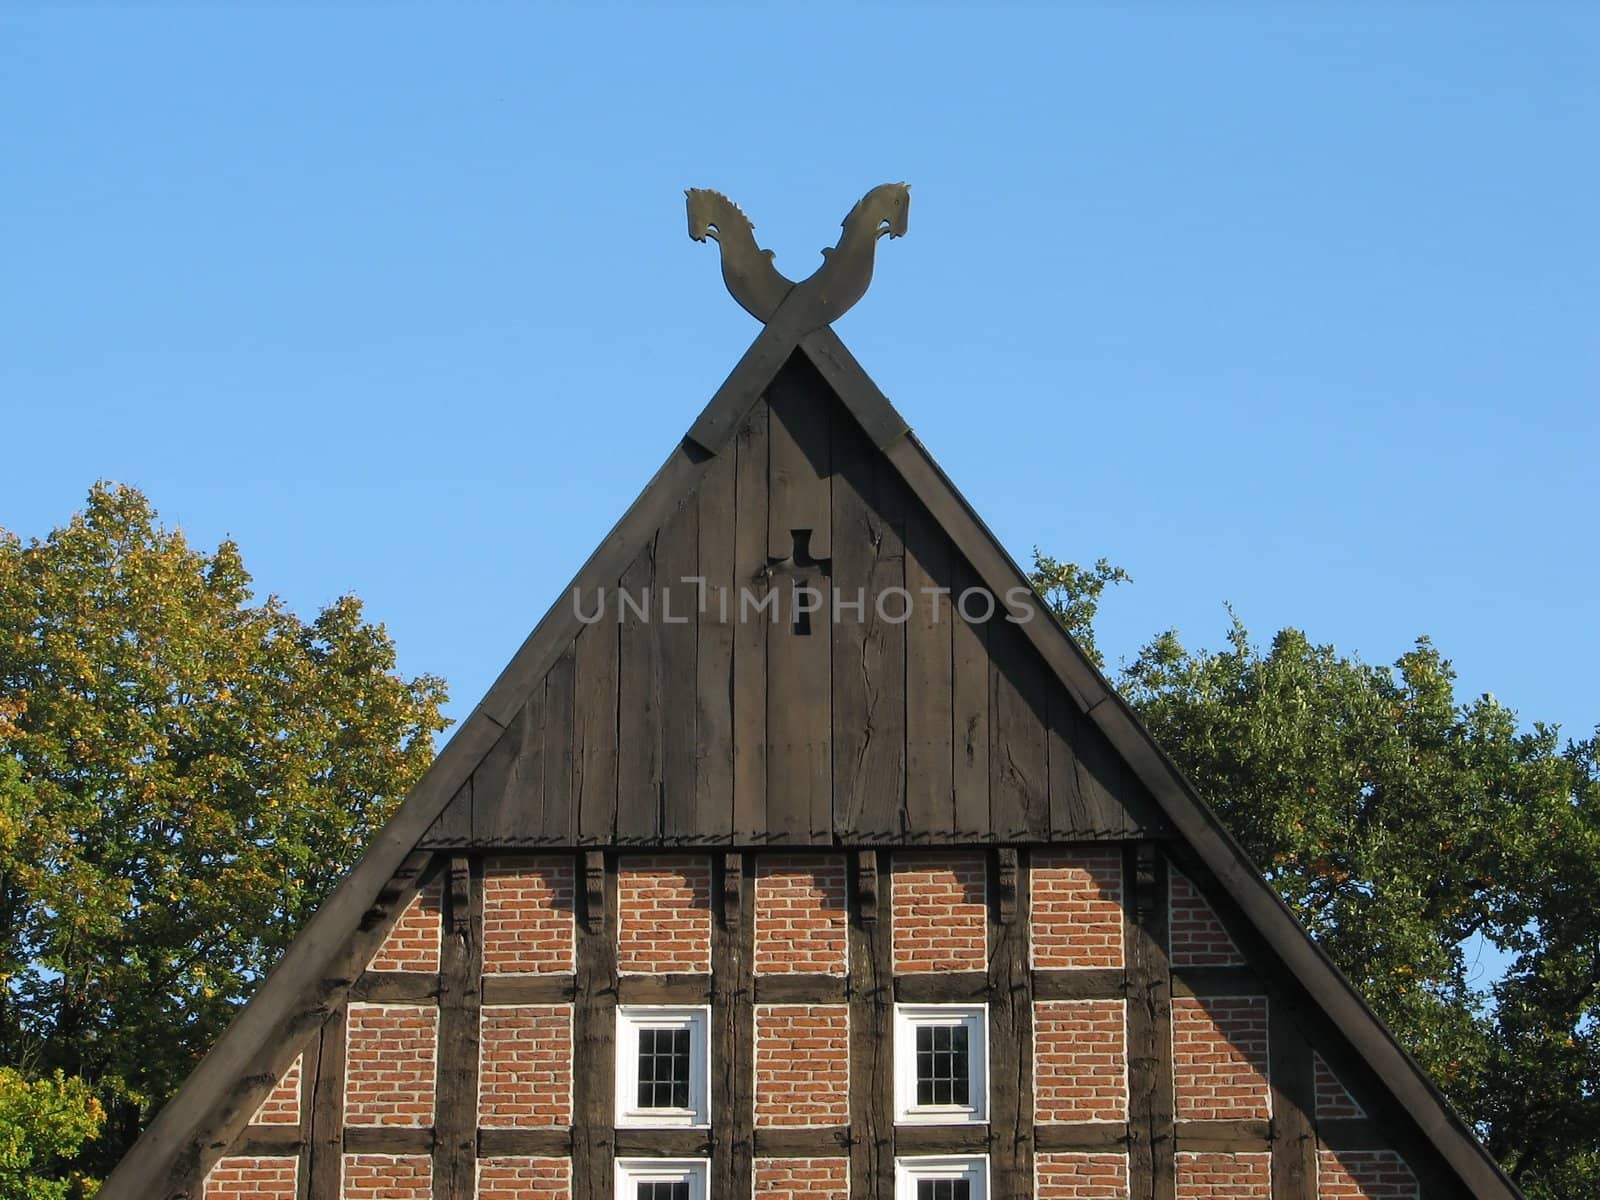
column 803, row 600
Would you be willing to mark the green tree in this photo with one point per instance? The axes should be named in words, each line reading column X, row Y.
column 187, row 771
column 1408, row 829
column 43, row 1122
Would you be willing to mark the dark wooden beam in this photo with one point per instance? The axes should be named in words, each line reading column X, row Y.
column 325, row 1140
column 1084, row 1135
column 594, row 1036
column 732, row 1031
column 1081, row 983
column 664, row 989
column 529, row 989
column 455, row 1149
column 397, row 987
column 802, row 989
column 872, row 1039
column 1150, row 1088
column 831, row 1142
column 1294, row 1099
column 389, row 1139
column 535, row 1143
column 945, row 987
column 1010, row 1032
column 942, row 1139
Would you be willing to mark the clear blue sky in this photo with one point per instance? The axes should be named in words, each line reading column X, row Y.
column 1289, row 306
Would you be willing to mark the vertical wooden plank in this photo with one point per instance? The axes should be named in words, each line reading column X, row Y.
column 326, row 1151
column 1294, row 1096
column 677, row 626
column 930, row 762
column 557, row 824
column 733, row 1029
column 309, row 1063
column 453, row 826
column 1019, row 771
column 594, row 1033
column 871, row 992
column 750, row 628
column 1010, row 1031
column 969, row 698
column 799, row 668
column 1151, row 1144
column 799, row 460
column 594, row 721
column 639, row 702
column 717, row 619
column 508, row 785
column 455, row 1147
column 868, row 642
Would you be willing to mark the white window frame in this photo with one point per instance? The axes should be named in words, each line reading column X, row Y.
column 630, row 1172
column 908, row 1018
column 972, row 1167
column 631, row 1019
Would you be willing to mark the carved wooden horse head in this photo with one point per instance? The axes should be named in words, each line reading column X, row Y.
column 764, row 292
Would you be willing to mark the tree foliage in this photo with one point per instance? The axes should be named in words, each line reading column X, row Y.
column 1410, row 831
column 43, row 1122
column 184, row 773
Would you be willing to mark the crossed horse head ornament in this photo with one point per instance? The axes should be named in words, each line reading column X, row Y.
column 768, row 295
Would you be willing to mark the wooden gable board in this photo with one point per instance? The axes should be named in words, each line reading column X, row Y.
column 225, row 1088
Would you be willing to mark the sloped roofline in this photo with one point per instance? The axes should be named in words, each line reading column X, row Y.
column 199, row 1111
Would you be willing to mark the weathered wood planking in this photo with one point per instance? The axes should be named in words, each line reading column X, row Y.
column 749, row 631
column 1019, row 761
column 640, row 750
column 716, row 621
column 930, row 748
column 969, row 712
column 869, row 641
column 558, row 739
column 594, row 735
column 508, row 786
column 799, row 668
column 677, row 658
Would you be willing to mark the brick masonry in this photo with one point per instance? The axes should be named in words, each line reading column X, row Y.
column 528, row 915
column 802, row 1178
column 387, row 1177
column 390, row 1055
column 1219, row 1057
column 1364, row 1175
column 940, row 912
column 413, row 943
column 800, row 915
column 1333, row 1099
column 525, row 1066
column 518, row 1177
column 252, row 1178
column 802, row 1062
column 1198, row 938
column 663, row 914
column 282, row 1105
column 1218, row 1176
column 1080, row 1176
column 1080, row 1060
column 1076, row 907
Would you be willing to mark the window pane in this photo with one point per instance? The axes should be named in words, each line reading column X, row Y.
column 942, row 1075
column 944, row 1189
column 666, row 1189
column 663, row 1075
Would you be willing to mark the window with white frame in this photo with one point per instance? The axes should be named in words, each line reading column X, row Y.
column 941, row 1066
column 663, row 1062
column 959, row 1178
column 661, row 1178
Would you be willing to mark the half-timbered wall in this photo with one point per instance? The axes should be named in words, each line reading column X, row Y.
column 1133, row 1048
